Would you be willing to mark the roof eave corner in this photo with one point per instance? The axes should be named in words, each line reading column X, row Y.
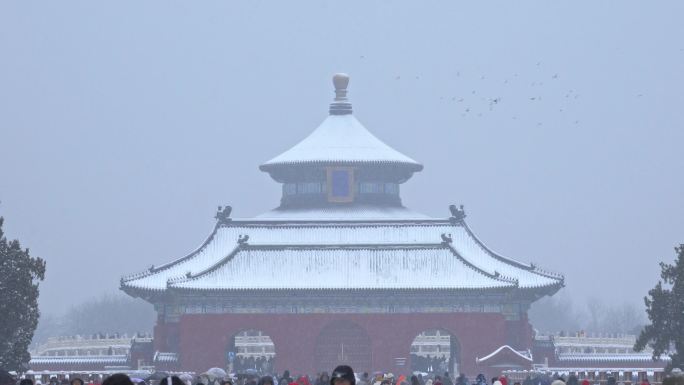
column 550, row 290
column 264, row 167
column 131, row 291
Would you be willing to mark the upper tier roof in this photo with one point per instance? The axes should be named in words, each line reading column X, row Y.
column 415, row 254
column 341, row 139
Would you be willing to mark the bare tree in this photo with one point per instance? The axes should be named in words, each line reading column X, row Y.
column 554, row 314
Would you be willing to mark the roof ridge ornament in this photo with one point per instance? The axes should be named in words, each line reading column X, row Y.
column 341, row 105
column 457, row 214
column 446, row 238
column 223, row 214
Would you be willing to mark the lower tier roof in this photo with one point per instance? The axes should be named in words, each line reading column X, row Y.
column 263, row 254
column 341, row 267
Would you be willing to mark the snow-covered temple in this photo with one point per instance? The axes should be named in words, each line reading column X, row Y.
column 341, row 271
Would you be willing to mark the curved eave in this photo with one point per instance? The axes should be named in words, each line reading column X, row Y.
column 506, row 284
column 142, row 292
column 529, row 267
column 541, row 290
column 537, row 289
column 473, row 266
column 208, row 270
column 126, row 279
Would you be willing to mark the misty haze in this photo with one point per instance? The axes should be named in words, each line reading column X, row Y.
column 248, row 192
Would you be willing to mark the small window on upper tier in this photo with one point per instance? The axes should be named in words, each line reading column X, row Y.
column 340, row 184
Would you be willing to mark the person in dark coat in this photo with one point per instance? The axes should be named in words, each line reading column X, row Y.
column 323, row 379
column 117, row 379
column 6, row 378
column 343, row 375
column 285, row 379
column 265, row 380
column 174, row 381
column 462, row 379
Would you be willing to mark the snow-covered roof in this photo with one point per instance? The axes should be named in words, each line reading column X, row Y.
column 342, row 267
column 341, row 139
column 621, row 342
column 108, row 359
column 355, row 246
column 608, row 357
column 165, row 357
column 524, row 355
column 371, row 254
column 567, row 370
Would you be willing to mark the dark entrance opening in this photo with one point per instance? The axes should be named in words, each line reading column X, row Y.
column 343, row 342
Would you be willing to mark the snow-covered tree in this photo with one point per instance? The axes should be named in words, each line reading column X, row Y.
column 665, row 308
column 19, row 277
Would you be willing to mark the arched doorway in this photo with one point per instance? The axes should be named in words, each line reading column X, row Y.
column 343, row 342
column 436, row 351
column 250, row 351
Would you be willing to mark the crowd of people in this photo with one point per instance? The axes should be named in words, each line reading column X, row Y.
column 543, row 379
column 258, row 364
column 429, row 364
column 378, row 378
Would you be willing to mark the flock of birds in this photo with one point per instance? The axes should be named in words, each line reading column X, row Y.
column 547, row 88
column 475, row 103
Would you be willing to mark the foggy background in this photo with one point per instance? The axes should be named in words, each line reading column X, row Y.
column 558, row 125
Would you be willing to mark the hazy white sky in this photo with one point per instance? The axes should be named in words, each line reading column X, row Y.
column 558, row 124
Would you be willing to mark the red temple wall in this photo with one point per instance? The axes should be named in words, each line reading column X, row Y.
column 205, row 338
column 166, row 336
column 519, row 333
